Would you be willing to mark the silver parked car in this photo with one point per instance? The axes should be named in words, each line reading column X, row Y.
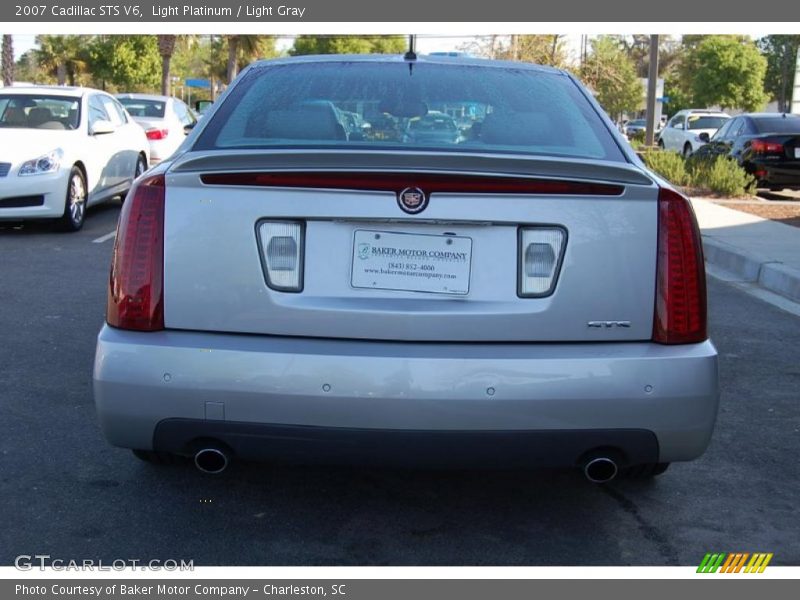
column 531, row 296
column 165, row 121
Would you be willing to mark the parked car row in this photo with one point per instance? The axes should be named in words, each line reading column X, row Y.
column 766, row 145
column 64, row 149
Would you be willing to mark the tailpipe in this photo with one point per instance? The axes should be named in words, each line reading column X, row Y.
column 600, row 469
column 212, row 459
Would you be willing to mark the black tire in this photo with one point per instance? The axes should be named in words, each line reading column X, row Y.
column 141, row 167
column 645, row 471
column 74, row 202
column 160, row 458
column 687, row 150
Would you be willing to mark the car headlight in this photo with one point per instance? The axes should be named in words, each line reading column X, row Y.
column 47, row 163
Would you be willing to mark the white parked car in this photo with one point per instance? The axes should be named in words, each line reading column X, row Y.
column 64, row 149
column 684, row 131
column 165, row 121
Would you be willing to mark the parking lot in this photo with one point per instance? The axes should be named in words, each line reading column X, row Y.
column 68, row 494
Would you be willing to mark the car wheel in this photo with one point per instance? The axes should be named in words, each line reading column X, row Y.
column 74, row 202
column 645, row 471
column 141, row 166
column 687, row 151
column 160, row 458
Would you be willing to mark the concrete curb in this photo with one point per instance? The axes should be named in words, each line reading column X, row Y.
column 767, row 273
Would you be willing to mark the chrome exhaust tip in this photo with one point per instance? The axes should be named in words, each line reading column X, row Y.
column 212, row 460
column 600, row 469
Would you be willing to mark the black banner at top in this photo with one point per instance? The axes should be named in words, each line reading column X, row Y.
column 339, row 11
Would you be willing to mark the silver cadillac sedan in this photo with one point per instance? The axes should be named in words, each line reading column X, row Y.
column 304, row 281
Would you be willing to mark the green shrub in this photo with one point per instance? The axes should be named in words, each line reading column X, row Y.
column 670, row 165
column 720, row 175
column 637, row 138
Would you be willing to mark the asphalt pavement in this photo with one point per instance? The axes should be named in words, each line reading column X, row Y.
column 68, row 494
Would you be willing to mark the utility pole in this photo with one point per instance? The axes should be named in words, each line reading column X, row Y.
column 795, row 109
column 652, row 84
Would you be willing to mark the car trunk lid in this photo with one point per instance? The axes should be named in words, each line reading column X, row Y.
column 602, row 217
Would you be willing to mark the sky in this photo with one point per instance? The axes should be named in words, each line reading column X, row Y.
column 23, row 43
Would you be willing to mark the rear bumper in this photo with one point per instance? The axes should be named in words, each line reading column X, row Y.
column 784, row 175
column 163, row 390
column 399, row 447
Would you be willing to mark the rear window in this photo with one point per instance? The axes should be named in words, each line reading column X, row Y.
column 395, row 105
column 778, row 124
column 705, row 122
column 153, row 109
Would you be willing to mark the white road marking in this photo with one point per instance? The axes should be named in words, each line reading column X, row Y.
column 105, row 237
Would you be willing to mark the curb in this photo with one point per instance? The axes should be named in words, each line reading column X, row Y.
column 769, row 274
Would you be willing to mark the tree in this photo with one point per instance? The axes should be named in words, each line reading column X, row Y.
column 8, row 60
column 781, row 53
column 348, row 44
column 63, row 57
column 612, row 76
column 125, row 62
column 166, row 48
column 27, row 69
column 538, row 49
column 245, row 49
column 488, row 46
column 727, row 71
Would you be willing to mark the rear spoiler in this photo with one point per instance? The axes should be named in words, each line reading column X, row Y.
column 418, row 162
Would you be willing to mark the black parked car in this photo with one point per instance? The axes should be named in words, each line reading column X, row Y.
column 767, row 145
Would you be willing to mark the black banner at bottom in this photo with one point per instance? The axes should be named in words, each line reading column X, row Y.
column 395, row 589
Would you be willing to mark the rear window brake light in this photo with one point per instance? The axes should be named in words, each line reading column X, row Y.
column 429, row 182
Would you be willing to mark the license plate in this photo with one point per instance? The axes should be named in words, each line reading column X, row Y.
column 409, row 262
column 797, row 152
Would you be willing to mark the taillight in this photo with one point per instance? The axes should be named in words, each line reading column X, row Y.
column 156, row 134
column 766, row 147
column 135, row 293
column 680, row 307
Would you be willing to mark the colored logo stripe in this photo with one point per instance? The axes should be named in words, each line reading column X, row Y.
column 711, row 563
column 734, row 562
column 758, row 563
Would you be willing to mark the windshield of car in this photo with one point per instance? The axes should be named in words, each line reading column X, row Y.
column 34, row 111
column 389, row 104
column 705, row 122
column 636, row 123
column 778, row 125
column 136, row 107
